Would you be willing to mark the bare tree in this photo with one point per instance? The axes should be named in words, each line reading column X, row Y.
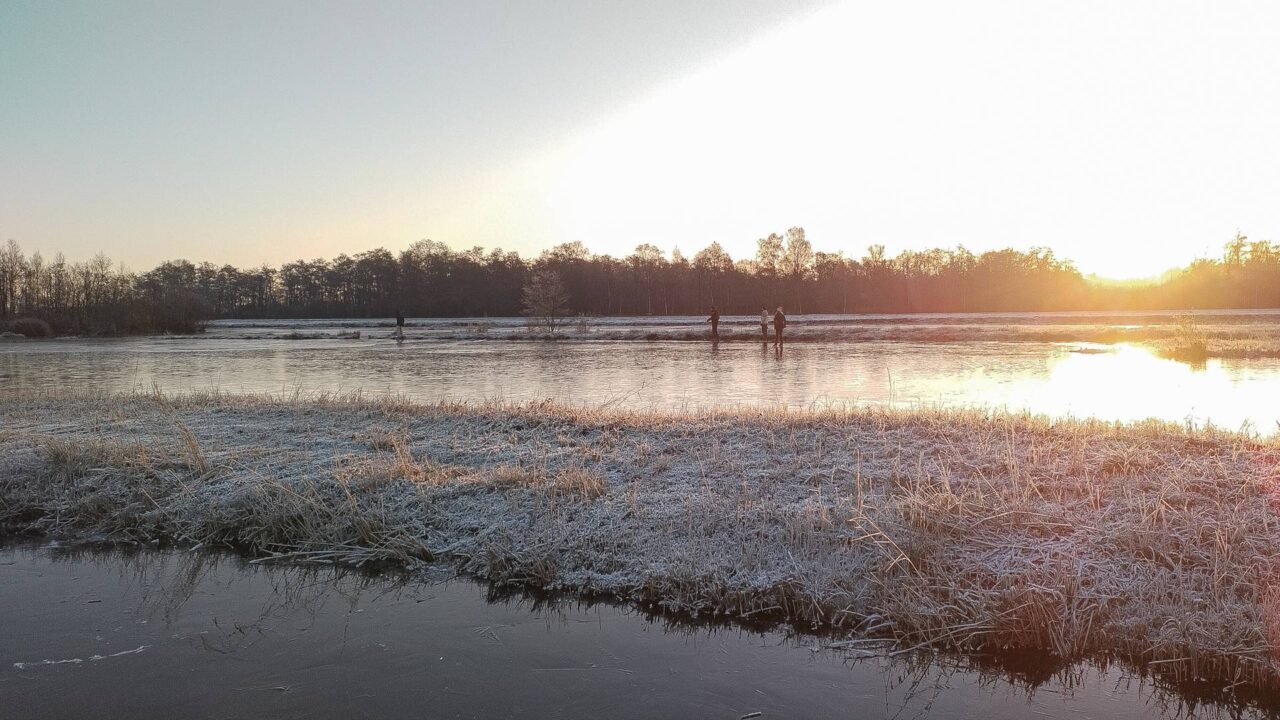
column 545, row 297
column 714, row 264
column 12, row 268
column 645, row 263
column 797, row 261
column 769, row 254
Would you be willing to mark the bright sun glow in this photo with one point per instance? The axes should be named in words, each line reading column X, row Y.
column 993, row 126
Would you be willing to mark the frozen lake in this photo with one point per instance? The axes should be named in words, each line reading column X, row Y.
column 152, row 634
column 493, row 359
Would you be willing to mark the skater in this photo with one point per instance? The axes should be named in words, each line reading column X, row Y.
column 764, row 323
column 715, row 323
column 399, row 325
column 779, row 322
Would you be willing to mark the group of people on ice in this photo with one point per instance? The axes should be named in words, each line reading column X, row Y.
column 779, row 323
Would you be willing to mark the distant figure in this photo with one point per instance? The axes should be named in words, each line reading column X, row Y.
column 764, row 324
column 715, row 322
column 779, row 322
column 399, row 324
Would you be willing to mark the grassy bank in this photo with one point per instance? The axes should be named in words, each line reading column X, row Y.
column 1148, row 542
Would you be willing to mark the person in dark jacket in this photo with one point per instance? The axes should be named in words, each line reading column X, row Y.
column 779, row 322
column 399, row 324
column 715, row 323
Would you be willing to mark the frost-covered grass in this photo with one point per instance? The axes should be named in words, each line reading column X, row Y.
column 958, row 529
column 1237, row 348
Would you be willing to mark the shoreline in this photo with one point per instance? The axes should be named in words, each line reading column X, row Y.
column 1025, row 672
column 170, row 577
column 959, row 530
column 1163, row 342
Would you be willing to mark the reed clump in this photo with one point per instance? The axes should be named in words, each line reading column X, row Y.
column 957, row 529
column 1190, row 342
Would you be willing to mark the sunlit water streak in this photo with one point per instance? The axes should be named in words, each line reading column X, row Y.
column 1121, row 382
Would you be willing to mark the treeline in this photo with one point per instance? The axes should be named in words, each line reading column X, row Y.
column 39, row 297
column 430, row 279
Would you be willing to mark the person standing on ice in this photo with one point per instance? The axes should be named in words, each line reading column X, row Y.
column 779, row 322
column 764, row 323
column 399, row 324
column 715, row 323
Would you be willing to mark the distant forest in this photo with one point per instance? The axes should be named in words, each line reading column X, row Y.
column 39, row 295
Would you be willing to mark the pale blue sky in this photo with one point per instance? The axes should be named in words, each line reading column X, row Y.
column 1129, row 136
column 227, row 130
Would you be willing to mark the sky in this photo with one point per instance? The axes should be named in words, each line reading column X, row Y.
column 1130, row 137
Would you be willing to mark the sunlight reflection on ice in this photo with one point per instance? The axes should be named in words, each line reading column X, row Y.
column 1121, row 382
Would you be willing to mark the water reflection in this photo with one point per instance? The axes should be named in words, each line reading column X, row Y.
column 1122, row 382
column 1133, row 384
column 219, row 634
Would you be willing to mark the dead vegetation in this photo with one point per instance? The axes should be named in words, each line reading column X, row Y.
column 956, row 529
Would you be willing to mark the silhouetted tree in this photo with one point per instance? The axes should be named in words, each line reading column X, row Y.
column 545, row 297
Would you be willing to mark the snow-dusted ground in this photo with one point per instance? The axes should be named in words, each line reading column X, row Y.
column 958, row 529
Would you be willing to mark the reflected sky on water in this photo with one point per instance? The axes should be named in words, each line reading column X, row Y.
column 1120, row 382
column 161, row 634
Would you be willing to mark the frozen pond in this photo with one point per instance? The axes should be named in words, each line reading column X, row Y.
column 1113, row 382
column 162, row 634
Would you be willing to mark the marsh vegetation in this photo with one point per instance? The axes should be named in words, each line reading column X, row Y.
column 967, row 531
